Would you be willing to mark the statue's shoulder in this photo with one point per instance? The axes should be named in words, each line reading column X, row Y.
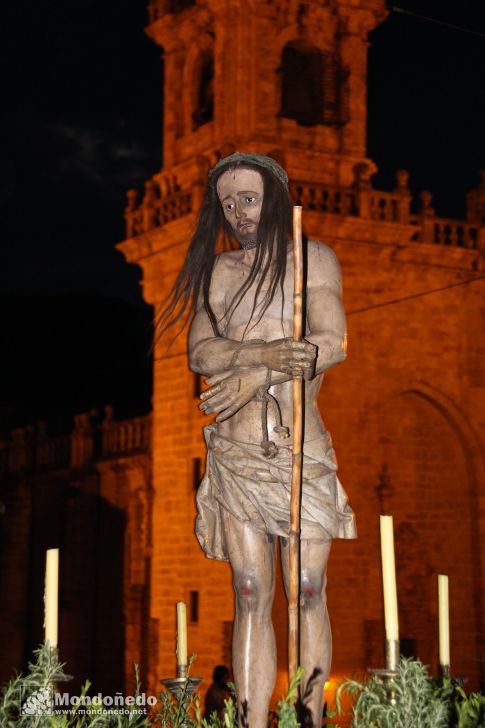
column 318, row 251
column 228, row 255
column 227, row 259
column 322, row 262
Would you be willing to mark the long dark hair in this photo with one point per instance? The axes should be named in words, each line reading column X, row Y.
column 192, row 284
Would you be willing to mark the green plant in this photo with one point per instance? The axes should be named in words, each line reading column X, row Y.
column 466, row 711
column 470, row 710
column 285, row 713
column 173, row 715
column 22, row 689
column 34, row 690
column 416, row 703
column 24, row 693
column 229, row 719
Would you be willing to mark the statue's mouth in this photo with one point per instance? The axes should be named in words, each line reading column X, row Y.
column 245, row 224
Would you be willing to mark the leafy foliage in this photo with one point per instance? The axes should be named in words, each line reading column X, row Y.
column 187, row 712
column 419, row 702
column 411, row 700
column 26, row 695
column 26, row 702
column 286, row 713
column 470, row 711
column 466, row 711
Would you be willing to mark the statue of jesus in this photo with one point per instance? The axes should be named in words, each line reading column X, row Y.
column 240, row 337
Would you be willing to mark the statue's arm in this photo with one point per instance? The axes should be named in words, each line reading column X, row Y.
column 213, row 355
column 325, row 313
column 232, row 385
column 209, row 354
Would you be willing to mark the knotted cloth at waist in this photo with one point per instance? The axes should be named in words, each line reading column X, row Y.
column 253, row 488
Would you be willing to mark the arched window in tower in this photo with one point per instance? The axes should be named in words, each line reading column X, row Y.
column 301, row 88
column 335, row 92
column 204, row 95
column 314, row 87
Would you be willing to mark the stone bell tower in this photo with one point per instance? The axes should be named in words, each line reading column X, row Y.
column 288, row 79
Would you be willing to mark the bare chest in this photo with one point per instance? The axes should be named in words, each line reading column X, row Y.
column 243, row 317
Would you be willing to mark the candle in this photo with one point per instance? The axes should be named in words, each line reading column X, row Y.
column 51, row 596
column 181, row 634
column 389, row 578
column 444, row 620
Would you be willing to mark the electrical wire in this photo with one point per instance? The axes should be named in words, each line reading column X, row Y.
column 413, row 296
column 396, row 9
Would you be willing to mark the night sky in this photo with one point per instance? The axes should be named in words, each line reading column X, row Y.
column 82, row 120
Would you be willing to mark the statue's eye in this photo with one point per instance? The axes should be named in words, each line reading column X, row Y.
column 249, row 200
column 230, row 206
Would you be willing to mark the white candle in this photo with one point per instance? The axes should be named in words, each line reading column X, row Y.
column 444, row 620
column 389, row 578
column 181, row 634
column 51, row 596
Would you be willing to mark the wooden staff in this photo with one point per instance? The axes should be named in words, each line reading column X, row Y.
column 297, row 455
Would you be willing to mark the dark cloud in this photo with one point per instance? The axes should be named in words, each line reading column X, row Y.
column 105, row 156
column 427, row 100
column 83, row 123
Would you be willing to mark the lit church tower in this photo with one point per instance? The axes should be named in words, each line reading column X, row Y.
column 288, row 79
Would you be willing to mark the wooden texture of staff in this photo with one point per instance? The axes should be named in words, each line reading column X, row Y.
column 297, row 455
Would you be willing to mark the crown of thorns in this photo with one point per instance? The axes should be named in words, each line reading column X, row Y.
column 258, row 160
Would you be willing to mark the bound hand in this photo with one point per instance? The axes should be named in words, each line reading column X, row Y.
column 231, row 390
column 290, row 357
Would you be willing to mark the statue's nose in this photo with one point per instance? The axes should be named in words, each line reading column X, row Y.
column 239, row 211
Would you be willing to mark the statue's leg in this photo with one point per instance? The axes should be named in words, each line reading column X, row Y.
column 252, row 557
column 315, row 634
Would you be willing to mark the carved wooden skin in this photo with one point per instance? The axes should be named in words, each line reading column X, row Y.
column 267, row 346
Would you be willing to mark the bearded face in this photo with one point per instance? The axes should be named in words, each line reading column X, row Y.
column 241, row 192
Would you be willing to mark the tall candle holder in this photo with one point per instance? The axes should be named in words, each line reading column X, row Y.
column 392, row 655
column 389, row 672
column 57, row 677
column 182, row 687
column 444, row 671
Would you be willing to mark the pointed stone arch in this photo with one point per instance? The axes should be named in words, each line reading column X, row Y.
column 433, row 464
column 203, row 90
column 198, row 79
column 301, row 72
column 313, row 83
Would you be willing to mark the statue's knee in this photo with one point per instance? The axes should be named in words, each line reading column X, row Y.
column 312, row 591
column 245, row 587
column 250, row 593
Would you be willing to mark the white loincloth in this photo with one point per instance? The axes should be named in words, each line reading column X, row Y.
column 254, row 488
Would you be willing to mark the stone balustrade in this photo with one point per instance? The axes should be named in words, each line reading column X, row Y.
column 31, row 448
column 359, row 200
column 154, row 210
column 126, row 435
column 455, row 233
column 50, row 451
column 324, row 198
column 384, row 206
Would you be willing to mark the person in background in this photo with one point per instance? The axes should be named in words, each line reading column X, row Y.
column 218, row 692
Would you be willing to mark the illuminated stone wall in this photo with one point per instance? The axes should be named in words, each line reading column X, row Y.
column 89, row 494
column 404, row 410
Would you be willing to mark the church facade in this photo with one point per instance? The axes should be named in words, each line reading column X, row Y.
column 405, row 410
column 289, row 80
